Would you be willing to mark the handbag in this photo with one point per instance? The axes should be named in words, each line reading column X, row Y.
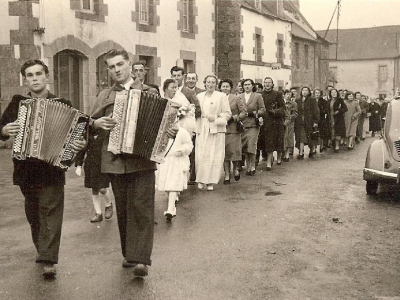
column 315, row 134
column 239, row 126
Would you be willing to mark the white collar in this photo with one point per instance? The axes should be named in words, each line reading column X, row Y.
column 127, row 85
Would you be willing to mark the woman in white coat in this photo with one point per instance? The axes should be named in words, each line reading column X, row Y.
column 210, row 135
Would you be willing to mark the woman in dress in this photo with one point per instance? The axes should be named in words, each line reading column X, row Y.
column 290, row 117
column 351, row 119
column 210, row 136
column 323, row 124
column 306, row 121
column 233, row 143
column 255, row 110
column 337, row 109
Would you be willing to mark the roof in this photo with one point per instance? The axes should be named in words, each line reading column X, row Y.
column 301, row 33
column 364, row 43
column 263, row 11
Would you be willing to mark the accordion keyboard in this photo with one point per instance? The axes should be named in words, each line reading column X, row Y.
column 21, row 120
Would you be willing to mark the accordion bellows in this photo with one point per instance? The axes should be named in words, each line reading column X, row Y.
column 143, row 120
column 47, row 129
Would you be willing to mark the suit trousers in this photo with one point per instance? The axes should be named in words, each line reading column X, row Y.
column 44, row 208
column 192, row 170
column 134, row 201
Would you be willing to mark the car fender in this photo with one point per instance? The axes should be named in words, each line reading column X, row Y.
column 376, row 155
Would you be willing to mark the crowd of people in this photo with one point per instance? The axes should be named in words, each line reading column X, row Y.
column 220, row 130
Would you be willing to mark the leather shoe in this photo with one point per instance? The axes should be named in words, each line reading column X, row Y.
column 237, row 177
column 108, row 213
column 96, row 218
column 248, row 173
column 268, row 168
column 49, row 270
column 227, row 181
column 140, row 270
column 300, row 156
column 128, row 263
column 253, row 172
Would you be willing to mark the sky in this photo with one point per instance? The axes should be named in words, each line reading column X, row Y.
column 353, row 13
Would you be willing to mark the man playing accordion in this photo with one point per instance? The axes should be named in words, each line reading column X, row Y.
column 41, row 184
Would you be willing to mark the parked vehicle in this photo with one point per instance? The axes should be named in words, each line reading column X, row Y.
column 382, row 164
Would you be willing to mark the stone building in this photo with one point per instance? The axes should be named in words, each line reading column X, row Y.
column 252, row 42
column 366, row 60
column 258, row 38
column 72, row 36
column 309, row 50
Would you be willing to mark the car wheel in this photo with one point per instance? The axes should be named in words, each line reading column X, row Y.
column 372, row 187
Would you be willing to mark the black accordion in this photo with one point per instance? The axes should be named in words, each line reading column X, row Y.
column 143, row 120
column 47, row 130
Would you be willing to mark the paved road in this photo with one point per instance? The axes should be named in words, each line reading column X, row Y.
column 271, row 236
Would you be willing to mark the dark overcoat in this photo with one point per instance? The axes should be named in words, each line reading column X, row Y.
column 324, row 124
column 307, row 116
column 338, row 119
column 274, row 129
column 375, row 118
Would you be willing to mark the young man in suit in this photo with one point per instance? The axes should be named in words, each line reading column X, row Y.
column 132, row 177
column 41, row 183
column 191, row 82
column 178, row 73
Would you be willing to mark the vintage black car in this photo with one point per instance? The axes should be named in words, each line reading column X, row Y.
column 383, row 157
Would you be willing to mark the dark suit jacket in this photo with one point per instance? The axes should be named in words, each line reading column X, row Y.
column 31, row 172
column 191, row 96
column 123, row 163
column 198, row 90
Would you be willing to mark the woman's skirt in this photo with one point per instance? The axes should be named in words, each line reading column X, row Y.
column 249, row 140
column 233, row 147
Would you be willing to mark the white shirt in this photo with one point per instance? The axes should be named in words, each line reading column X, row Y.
column 127, row 85
column 247, row 97
column 179, row 89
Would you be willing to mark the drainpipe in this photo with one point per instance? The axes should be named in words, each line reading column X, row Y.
column 314, row 64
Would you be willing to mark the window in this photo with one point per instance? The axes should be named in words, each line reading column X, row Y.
column 257, row 4
column 185, row 16
column 280, row 52
column 258, row 52
column 144, row 11
column 188, row 66
column 297, row 55
column 103, row 78
column 306, row 63
column 67, row 73
column 382, row 77
column 149, row 66
column 87, row 5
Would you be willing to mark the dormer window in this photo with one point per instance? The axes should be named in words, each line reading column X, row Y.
column 87, row 5
column 257, row 4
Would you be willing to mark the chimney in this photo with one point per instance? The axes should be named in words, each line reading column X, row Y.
column 279, row 8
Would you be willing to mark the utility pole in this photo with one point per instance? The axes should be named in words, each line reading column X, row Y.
column 337, row 28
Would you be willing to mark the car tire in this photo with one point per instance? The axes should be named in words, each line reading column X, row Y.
column 371, row 187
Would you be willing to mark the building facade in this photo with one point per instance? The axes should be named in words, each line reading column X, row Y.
column 310, row 66
column 252, row 42
column 72, row 36
column 366, row 60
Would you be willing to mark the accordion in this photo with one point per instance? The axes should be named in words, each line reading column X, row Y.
column 47, row 130
column 143, row 120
